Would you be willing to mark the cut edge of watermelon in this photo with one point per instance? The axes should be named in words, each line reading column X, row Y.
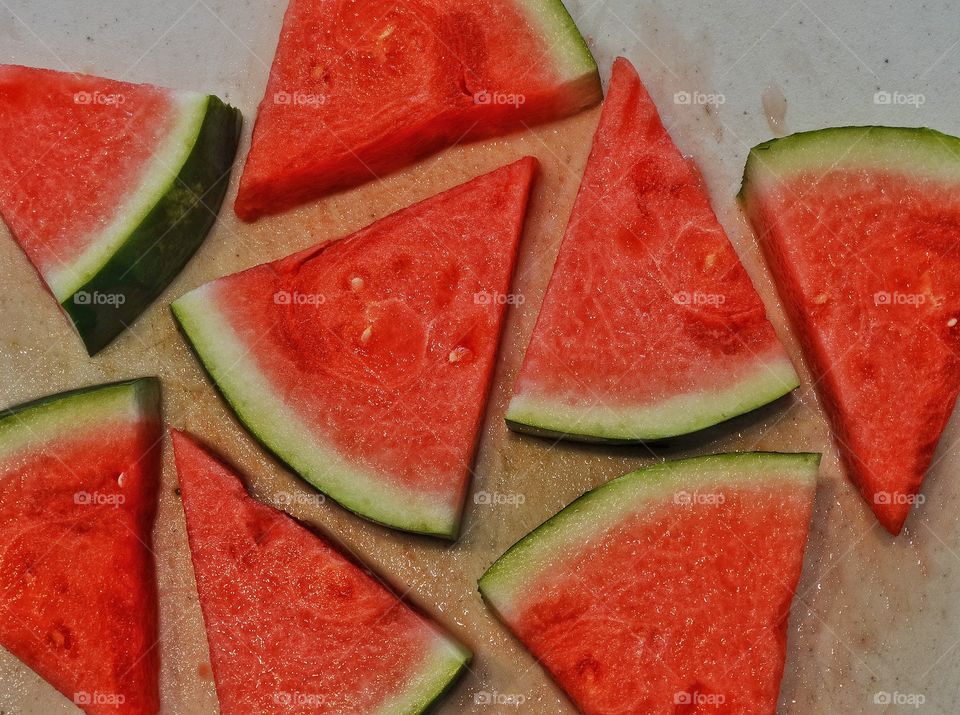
column 502, row 584
column 564, row 41
column 447, row 660
column 52, row 417
column 677, row 415
column 159, row 176
column 931, row 154
column 278, row 427
column 154, row 236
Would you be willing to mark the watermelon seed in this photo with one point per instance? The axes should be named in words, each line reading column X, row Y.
column 821, row 299
column 365, row 336
column 356, row 283
column 951, row 322
column 458, row 354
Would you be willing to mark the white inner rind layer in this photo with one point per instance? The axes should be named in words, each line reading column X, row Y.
column 439, row 669
column 263, row 409
column 584, row 521
column 157, row 179
column 565, row 45
column 918, row 152
column 29, row 430
column 771, row 378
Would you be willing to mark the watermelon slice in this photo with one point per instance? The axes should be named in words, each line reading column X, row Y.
column 109, row 187
column 367, row 88
column 650, row 327
column 293, row 624
column 365, row 363
column 666, row 590
column 79, row 473
column 859, row 226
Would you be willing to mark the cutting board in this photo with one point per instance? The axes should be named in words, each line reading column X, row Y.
column 876, row 619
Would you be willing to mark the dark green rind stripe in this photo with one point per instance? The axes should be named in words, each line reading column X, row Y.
column 799, row 141
column 165, row 240
column 582, row 503
column 148, row 387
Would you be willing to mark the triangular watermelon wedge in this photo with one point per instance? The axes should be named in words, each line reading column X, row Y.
column 109, row 187
column 79, row 474
column 859, row 225
column 293, row 624
column 358, row 90
column 365, row 363
column 650, row 327
column 666, row 590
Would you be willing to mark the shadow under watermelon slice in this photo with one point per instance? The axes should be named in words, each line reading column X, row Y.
column 367, row 88
column 109, row 187
column 293, row 624
column 860, row 227
column 666, row 590
column 650, row 327
column 365, row 363
column 79, row 474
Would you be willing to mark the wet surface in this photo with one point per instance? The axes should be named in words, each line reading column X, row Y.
column 874, row 616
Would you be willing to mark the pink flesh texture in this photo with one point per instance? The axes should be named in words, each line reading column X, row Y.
column 889, row 373
column 614, row 328
column 286, row 613
column 676, row 601
column 72, row 149
column 381, row 86
column 80, row 602
column 391, row 365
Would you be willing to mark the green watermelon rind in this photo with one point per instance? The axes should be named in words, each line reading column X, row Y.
column 159, row 229
column 447, row 660
column 603, row 507
column 34, row 424
column 914, row 151
column 567, row 46
column 276, row 425
column 678, row 415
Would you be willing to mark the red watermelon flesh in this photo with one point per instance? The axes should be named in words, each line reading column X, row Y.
column 859, row 225
column 109, row 187
column 367, row 88
column 366, row 363
column 650, row 326
column 667, row 590
column 78, row 489
column 293, row 624
column 109, row 138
